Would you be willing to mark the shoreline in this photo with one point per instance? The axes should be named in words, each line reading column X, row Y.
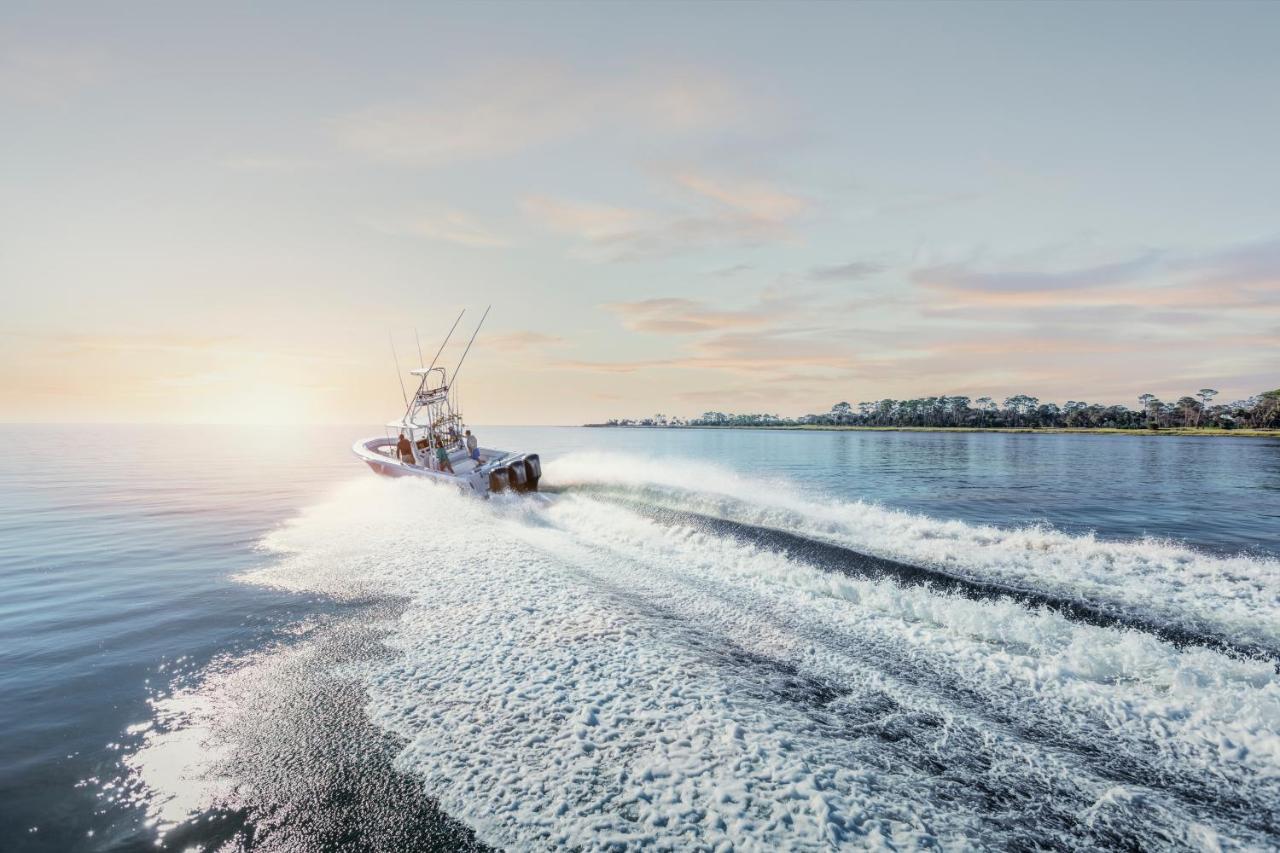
column 1202, row 432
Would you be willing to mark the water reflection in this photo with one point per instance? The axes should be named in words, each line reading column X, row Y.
column 1221, row 494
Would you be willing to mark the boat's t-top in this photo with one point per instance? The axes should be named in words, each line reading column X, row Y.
column 431, row 439
column 431, row 409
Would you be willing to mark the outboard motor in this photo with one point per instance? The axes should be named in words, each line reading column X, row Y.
column 533, row 468
column 518, row 477
column 499, row 480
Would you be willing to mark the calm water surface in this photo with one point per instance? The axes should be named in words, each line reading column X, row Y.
column 121, row 551
column 1221, row 494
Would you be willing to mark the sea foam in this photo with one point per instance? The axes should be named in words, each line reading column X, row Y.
column 1236, row 597
column 569, row 672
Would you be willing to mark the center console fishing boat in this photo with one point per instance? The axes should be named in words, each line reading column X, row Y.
column 432, row 422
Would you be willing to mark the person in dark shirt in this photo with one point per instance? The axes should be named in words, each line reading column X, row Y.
column 405, row 449
column 442, row 455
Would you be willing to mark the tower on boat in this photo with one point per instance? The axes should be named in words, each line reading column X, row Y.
column 431, row 440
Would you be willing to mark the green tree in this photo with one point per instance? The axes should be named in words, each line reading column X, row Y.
column 1147, row 401
column 1206, row 395
column 1190, row 411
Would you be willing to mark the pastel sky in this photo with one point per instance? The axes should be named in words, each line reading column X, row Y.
column 215, row 212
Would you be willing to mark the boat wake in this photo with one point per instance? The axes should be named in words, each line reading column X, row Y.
column 680, row 656
column 837, row 558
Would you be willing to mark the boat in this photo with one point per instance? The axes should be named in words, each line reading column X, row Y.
column 433, row 420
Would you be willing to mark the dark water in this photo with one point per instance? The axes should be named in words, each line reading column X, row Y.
column 1220, row 494
column 123, row 618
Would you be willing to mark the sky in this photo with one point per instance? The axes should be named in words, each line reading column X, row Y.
column 223, row 213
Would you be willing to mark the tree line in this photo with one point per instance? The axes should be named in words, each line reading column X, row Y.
column 1261, row 411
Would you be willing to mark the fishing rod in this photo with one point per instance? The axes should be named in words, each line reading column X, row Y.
column 469, row 343
column 446, row 339
column 395, row 358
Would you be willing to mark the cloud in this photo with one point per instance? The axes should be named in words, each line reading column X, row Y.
column 780, row 332
column 1153, row 288
column 812, row 348
column 752, row 200
column 594, row 223
column 1248, row 264
column 521, row 107
column 587, row 366
column 852, row 271
column 1175, row 320
column 957, row 277
column 732, row 270
column 445, row 226
column 49, row 74
column 796, row 394
column 715, row 212
column 523, row 341
column 763, row 354
column 684, row 316
column 456, row 227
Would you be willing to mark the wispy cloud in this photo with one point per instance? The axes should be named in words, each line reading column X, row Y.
column 851, row 271
column 1156, row 287
column 672, row 315
column 732, row 270
column 714, row 212
column 588, row 366
column 767, row 357
column 593, row 223
column 754, row 201
column 1254, row 264
column 957, row 277
column 760, row 353
column 521, row 107
column 445, row 226
column 523, row 341
column 973, row 330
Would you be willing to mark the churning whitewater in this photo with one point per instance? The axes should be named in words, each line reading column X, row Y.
column 588, row 669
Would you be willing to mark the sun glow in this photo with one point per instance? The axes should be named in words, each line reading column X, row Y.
column 255, row 404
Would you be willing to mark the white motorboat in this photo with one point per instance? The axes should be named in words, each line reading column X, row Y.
column 432, row 422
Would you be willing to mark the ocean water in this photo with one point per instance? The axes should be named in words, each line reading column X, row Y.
column 227, row 638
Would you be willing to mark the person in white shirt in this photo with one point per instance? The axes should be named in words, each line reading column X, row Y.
column 473, row 446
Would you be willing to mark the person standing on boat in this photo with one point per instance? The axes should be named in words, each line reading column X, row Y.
column 473, row 446
column 405, row 449
column 442, row 455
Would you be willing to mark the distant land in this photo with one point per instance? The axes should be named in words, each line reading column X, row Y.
column 1190, row 415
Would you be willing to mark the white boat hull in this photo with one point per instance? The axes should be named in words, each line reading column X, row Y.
column 498, row 470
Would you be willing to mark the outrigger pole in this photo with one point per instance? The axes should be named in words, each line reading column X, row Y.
column 469, row 343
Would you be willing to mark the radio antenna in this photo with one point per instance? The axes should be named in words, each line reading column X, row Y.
column 469, row 343
column 396, row 359
column 418, row 341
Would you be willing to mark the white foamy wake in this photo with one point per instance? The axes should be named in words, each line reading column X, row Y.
column 571, row 673
column 1230, row 597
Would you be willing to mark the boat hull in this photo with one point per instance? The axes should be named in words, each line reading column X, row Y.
column 379, row 454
